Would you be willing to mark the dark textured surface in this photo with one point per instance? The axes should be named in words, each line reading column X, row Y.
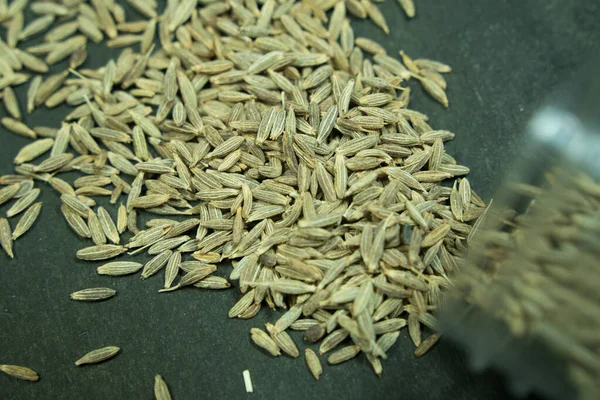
column 507, row 56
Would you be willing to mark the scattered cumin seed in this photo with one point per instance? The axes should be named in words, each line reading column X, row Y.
column 99, row 355
column 22, row 373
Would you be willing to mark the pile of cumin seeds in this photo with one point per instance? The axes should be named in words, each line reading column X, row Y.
column 261, row 133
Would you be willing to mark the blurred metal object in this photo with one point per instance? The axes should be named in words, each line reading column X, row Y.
column 527, row 300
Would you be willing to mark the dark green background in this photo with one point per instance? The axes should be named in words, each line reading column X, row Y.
column 507, row 56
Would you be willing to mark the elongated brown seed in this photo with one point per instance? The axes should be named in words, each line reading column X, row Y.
column 427, row 344
column 262, row 339
column 119, row 268
column 6, row 237
column 108, row 225
column 9, row 192
column 23, row 203
column 75, row 222
column 22, row 373
column 27, row 220
column 344, row 354
column 101, row 252
column 18, row 127
column 283, row 340
column 93, row 294
column 161, row 390
column 313, row 363
column 99, row 355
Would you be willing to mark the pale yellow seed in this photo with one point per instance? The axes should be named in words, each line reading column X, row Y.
column 313, row 363
column 19, row 372
column 99, row 355
column 161, row 390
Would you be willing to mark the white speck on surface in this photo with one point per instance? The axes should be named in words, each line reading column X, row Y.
column 248, row 381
